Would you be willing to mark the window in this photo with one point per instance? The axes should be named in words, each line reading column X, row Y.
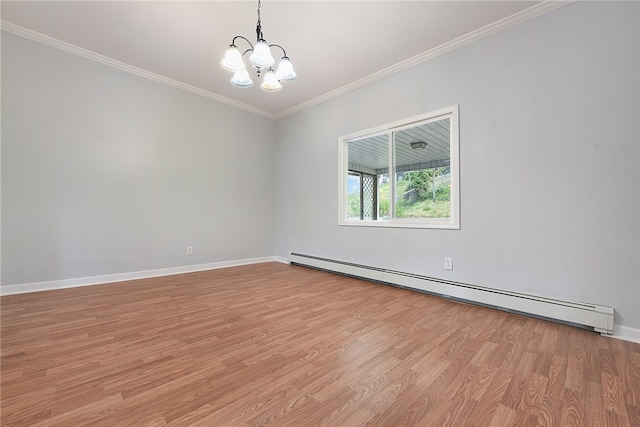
column 404, row 174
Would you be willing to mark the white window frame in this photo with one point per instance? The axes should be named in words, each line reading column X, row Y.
column 453, row 222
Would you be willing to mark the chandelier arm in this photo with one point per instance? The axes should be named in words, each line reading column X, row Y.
column 245, row 39
column 283, row 51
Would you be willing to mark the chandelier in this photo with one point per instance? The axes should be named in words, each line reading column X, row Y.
column 261, row 59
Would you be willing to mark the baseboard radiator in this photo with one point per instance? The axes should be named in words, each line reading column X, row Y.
column 592, row 316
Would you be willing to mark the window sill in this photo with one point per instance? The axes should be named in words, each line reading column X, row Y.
column 399, row 223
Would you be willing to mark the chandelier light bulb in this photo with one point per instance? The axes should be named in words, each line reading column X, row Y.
column 241, row 79
column 285, row 70
column 261, row 56
column 232, row 60
column 271, row 83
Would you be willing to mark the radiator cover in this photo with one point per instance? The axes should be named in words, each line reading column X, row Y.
column 598, row 317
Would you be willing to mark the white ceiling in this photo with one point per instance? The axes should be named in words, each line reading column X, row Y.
column 335, row 46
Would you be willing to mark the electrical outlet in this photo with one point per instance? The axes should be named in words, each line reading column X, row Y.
column 189, row 250
column 448, row 263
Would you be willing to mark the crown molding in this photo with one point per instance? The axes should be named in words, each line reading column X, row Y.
column 105, row 60
column 486, row 31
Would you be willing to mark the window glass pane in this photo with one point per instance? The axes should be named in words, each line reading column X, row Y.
column 422, row 170
column 384, row 196
column 368, row 159
column 353, row 196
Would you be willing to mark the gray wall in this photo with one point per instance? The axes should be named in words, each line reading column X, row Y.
column 549, row 162
column 104, row 172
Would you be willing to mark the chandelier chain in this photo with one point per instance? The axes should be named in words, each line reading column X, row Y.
column 259, row 24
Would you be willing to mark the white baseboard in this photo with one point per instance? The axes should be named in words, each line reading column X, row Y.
column 24, row 288
column 282, row 259
column 625, row 333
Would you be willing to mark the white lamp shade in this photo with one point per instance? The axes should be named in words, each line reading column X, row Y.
column 285, row 70
column 232, row 60
column 271, row 83
column 261, row 56
column 241, row 79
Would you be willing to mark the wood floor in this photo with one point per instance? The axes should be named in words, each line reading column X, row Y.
column 272, row 344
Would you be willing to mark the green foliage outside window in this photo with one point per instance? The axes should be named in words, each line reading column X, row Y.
column 422, row 183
